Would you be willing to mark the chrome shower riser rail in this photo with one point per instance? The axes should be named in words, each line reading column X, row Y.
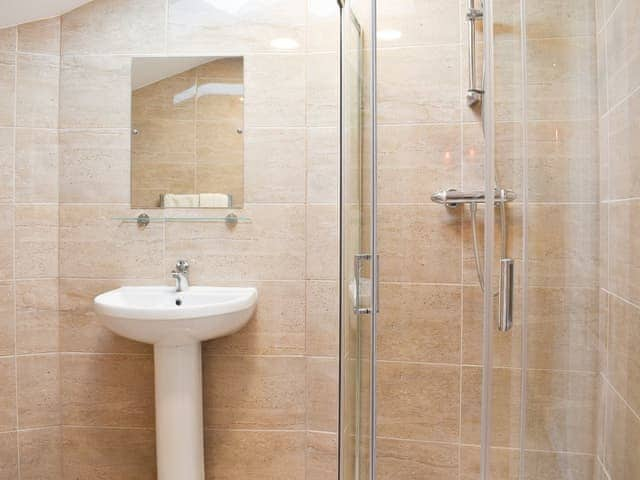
column 474, row 92
column 453, row 198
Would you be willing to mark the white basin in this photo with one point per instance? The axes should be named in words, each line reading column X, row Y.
column 175, row 323
column 162, row 316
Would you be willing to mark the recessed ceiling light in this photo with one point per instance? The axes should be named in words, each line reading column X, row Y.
column 284, row 43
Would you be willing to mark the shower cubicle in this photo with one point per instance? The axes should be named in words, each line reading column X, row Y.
column 490, row 197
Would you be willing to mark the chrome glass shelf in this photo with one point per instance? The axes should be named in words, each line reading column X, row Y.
column 143, row 219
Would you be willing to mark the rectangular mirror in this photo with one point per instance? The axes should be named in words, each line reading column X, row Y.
column 187, row 148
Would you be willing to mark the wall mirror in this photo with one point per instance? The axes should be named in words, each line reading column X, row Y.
column 187, row 120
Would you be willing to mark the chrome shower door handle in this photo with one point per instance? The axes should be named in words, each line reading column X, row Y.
column 505, row 295
column 358, row 260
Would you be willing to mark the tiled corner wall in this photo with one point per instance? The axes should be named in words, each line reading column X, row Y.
column 30, row 446
column 619, row 94
column 80, row 400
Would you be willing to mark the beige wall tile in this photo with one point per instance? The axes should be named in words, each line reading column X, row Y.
column 419, row 23
column 37, row 91
column 8, row 455
column 562, row 83
column 563, row 245
column 506, row 348
column 321, row 456
column 271, row 247
column 95, row 166
column 196, row 25
column 37, row 316
column 254, row 455
column 418, row 401
column 322, row 165
column 419, row 84
column 275, row 91
column 322, row 394
column 107, row 390
column 36, row 167
column 111, row 453
column 115, row 26
column 254, row 392
column 413, row 460
column 276, row 328
column 560, row 18
column 8, row 409
column 322, row 318
column 505, row 406
column 41, row 454
column 624, row 148
column 8, row 86
column 38, row 390
column 94, row 245
column 623, row 62
column 7, row 158
column 563, row 161
column 6, row 242
column 419, row 323
column 416, row 161
column 7, row 319
column 102, row 102
column 8, row 39
column 40, row 37
column 622, row 434
column 36, row 241
column 322, row 242
column 279, row 156
column 80, row 327
column 322, row 89
column 604, row 246
column 504, row 464
column 624, row 241
column 552, row 465
column 562, row 331
column 410, row 246
column 561, row 411
column 623, row 361
column 508, row 157
column 323, row 26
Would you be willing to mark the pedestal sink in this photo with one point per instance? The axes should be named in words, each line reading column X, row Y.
column 175, row 323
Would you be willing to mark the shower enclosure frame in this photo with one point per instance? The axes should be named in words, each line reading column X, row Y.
column 488, row 119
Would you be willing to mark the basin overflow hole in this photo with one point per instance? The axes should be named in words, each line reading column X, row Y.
column 178, row 302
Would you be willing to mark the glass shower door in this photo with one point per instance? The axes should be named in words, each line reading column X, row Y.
column 357, row 247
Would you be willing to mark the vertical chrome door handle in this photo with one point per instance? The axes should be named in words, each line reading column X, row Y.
column 357, row 272
column 505, row 295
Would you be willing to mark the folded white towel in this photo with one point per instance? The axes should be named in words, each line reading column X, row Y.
column 215, row 200
column 174, row 200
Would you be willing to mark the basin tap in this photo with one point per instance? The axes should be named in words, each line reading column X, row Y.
column 181, row 274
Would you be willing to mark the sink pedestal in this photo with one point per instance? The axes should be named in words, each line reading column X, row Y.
column 179, row 420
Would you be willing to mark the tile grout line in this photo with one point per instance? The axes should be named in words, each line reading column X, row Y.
column 15, row 313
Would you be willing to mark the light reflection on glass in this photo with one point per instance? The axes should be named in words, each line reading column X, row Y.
column 284, row 43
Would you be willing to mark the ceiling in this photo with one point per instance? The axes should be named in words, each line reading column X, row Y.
column 14, row 12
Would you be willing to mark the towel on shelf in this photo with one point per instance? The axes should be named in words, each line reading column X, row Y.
column 178, row 200
column 215, row 200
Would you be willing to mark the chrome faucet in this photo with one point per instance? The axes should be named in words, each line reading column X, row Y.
column 181, row 274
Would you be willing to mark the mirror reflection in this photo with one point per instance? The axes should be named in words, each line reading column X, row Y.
column 187, row 148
